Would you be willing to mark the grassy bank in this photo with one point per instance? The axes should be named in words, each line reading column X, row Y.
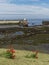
column 43, row 59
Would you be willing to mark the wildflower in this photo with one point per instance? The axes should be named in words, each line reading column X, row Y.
column 12, row 50
column 13, row 56
column 35, row 54
column 10, row 53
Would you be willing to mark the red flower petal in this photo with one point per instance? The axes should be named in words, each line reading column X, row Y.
column 12, row 50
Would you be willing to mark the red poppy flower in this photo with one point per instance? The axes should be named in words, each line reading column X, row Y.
column 12, row 50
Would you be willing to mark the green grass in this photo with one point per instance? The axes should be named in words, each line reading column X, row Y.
column 22, row 60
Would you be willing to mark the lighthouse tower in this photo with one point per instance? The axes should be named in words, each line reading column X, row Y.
column 25, row 23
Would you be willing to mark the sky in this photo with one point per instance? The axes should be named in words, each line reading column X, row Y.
column 24, row 8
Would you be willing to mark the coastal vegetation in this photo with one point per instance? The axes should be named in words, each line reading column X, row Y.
column 21, row 58
column 31, row 40
column 31, row 45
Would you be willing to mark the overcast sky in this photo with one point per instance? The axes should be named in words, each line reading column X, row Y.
column 26, row 8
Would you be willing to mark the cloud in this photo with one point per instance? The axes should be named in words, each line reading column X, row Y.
column 23, row 9
column 7, row 8
column 15, row 1
column 3, row 1
column 44, row 4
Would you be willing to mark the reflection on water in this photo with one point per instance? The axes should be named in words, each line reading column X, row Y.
column 11, row 34
column 19, row 33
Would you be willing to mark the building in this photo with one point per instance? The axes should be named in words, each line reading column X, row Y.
column 24, row 22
